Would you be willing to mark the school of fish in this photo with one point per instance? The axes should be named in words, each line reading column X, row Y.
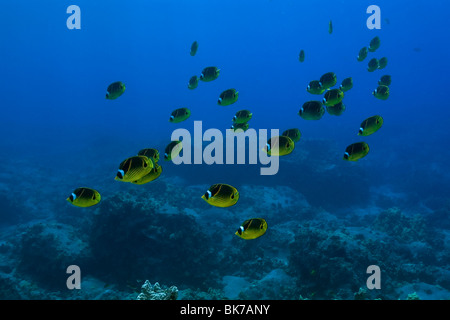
column 144, row 167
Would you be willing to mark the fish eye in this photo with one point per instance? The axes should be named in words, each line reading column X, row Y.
column 308, row 87
column 361, row 130
column 240, row 230
column 232, row 196
column 72, row 197
column 202, row 76
column 220, row 100
column 268, row 146
column 120, row 174
column 346, row 155
column 207, row 195
column 324, row 100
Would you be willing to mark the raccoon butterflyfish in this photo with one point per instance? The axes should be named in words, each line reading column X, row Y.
column 382, row 63
column 385, row 80
column 252, row 228
column 370, row 125
column 221, row 195
column 381, row 92
column 115, row 90
column 315, row 87
column 301, row 56
column 84, row 197
column 240, row 127
column 373, row 65
column 209, row 74
column 228, row 97
column 179, row 115
column 356, row 151
column 194, row 48
column 362, row 54
column 332, row 97
column 337, row 109
column 328, row 80
column 152, row 175
column 279, row 146
column 150, row 153
column 172, row 150
column 374, row 44
column 134, row 168
column 346, row 84
column 242, row 116
column 193, row 82
column 311, row 110
column 294, row 134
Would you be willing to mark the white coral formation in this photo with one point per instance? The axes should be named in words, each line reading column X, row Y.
column 155, row 292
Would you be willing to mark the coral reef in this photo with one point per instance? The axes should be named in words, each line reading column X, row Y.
column 330, row 261
column 46, row 250
column 422, row 291
column 413, row 296
column 130, row 240
column 397, row 225
column 155, row 292
column 318, row 245
column 323, row 262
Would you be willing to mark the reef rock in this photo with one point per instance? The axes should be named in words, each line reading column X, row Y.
column 155, row 292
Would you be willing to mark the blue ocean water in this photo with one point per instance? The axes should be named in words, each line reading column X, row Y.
column 59, row 133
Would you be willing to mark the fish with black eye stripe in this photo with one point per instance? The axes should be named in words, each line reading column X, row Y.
column 252, row 229
column 228, row 97
column 209, row 74
column 134, row 168
column 84, row 197
column 221, row 195
column 356, row 151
